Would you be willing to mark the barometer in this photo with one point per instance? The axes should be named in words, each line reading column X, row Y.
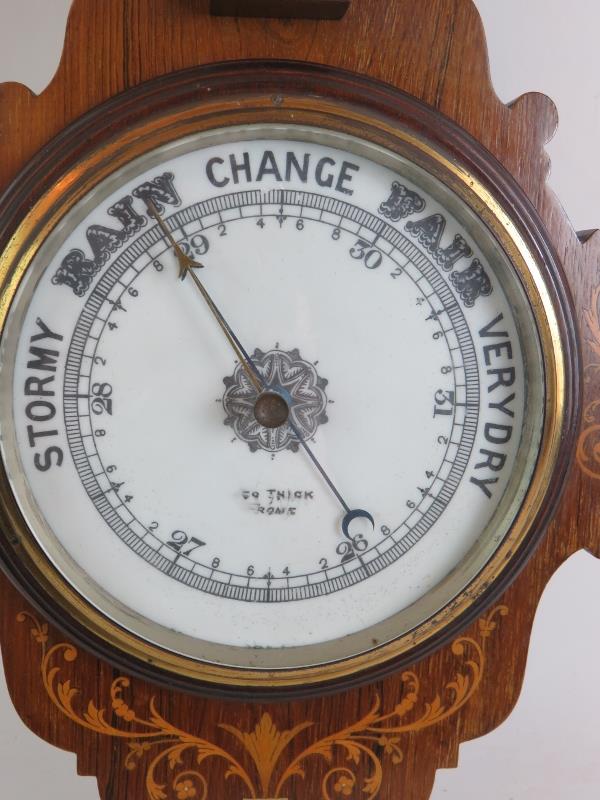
column 290, row 385
column 280, row 395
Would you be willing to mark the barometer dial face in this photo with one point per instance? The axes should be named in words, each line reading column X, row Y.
column 399, row 369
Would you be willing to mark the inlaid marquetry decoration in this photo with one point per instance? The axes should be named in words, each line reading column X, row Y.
column 257, row 763
column 588, row 446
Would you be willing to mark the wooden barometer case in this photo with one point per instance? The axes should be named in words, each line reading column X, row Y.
column 300, row 395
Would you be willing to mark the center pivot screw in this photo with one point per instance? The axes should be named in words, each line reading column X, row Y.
column 271, row 410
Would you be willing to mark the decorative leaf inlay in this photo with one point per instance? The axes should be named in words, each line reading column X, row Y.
column 588, row 445
column 258, row 766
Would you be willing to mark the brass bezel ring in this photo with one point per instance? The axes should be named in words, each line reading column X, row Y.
column 216, row 97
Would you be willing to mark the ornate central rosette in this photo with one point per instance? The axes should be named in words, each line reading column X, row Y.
column 279, row 369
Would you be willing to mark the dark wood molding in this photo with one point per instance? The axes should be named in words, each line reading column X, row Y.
column 282, row 9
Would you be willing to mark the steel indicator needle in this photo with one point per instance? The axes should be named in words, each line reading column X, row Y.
column 274, row 397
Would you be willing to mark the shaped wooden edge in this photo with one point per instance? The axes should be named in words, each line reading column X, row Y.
column 141, row 741
column 413, row 724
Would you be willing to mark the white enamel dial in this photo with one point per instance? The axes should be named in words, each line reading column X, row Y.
column 363, row 292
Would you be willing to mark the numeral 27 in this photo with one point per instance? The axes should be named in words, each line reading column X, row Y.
column 179, row 539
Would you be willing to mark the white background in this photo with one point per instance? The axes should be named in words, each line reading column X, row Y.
column 550, row 746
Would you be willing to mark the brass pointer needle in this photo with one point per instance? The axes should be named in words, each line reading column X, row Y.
column 187, row 266
column 270, row 402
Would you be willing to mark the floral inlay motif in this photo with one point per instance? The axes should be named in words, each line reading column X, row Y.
column 258, row 764
column 588, row 446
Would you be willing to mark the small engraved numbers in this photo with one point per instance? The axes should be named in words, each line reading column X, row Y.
column 365, row 306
